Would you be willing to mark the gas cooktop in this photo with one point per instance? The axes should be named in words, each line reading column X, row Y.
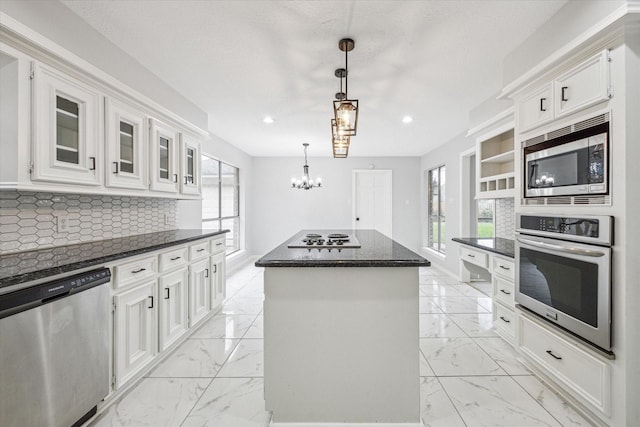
column 325, row 241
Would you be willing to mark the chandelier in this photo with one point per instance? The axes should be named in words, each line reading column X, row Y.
column 344, row 124
column 305, row 183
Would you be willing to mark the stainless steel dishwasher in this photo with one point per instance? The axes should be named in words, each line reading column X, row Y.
column 54, row 360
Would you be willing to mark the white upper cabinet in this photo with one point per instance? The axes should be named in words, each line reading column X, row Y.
column 189, row 165
column 67, row 142
column 583, row 86
column 164, row 157
column 126, row 146
column 578, row 88
column 536, row 108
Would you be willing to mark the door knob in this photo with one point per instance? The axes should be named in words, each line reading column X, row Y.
column 358, row 219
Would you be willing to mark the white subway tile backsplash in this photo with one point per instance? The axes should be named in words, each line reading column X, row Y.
column 28, row 220
column 505, row 218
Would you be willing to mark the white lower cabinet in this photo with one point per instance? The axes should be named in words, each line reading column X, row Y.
column 218, row 285
column 173, row 305
column 199, row 291
column 135, row 330
column 580, row 371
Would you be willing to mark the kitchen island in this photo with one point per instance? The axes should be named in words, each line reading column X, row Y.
column 341, row 331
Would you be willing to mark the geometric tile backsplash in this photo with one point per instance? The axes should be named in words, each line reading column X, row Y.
column 505, row 218
column 29, row 220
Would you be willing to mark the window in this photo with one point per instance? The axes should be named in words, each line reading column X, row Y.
column 486, row 211
column 436, row 219
column 221, row 200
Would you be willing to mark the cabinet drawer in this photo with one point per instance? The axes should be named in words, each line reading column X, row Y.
column 134, row 271
column 173, row 259
column 504, row 321
column 535, row 108
column 217, row 245
column 199, row 250
column 504, row 268
column 503, row 291
column 475, row 257
column 585, row 375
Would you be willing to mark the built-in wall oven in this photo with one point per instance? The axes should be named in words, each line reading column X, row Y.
column 563, row 272
column 570, row 161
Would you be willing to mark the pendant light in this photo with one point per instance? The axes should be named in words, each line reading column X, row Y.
column 345, row 110
column 339, row 142
column 305, row 183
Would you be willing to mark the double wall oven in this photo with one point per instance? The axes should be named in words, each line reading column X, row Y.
column 563, row 271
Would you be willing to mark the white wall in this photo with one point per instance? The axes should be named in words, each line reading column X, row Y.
column 447, row 154
column 570, row 21
column 58, row 23
column 279, row 211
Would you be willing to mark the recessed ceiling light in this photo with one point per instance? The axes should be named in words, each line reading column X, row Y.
column 268, row 120
column 407, row 119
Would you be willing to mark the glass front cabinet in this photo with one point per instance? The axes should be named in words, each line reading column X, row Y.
column 66, row 139
column 126, row 146
column 190, row 165
column 163, row 155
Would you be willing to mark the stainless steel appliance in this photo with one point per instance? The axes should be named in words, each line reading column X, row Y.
column 563, row 272
column 54, row 353
column 327, row 241
column 575, row 163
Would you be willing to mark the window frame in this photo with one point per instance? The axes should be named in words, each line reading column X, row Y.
column 219, row 219
column 441, row 247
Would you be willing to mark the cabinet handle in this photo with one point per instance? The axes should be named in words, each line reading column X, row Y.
column 219, row 244
column 175, row 177
column 215, row 268
column 116, row 165
column 175, row 258
column 505, row 292
column 151, row 306
column 542, row 104
column 471, row 256
column 504, row 268
column 206, row 272
column 505, row 320
column 563, row 95
column 550, row 353
column 138, row 271
column 186, row 179
column 93, row 163
column 168, row 293
column 200, row 250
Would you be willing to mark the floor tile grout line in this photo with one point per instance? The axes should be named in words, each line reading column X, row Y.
column 451, row 400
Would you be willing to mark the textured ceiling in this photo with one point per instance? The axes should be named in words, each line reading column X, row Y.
column 243, row 60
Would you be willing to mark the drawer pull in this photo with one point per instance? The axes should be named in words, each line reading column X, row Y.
column 206, row 272
column 505, row 292
column 116, row 165
column 200, row 250
column 215, row 268
column 550, row 353
column 93, row 163
column 175, row 258
column 564, row 93
column 151, row 306
column 168, row 293
column 504, row 268
column 471, row 256
column 504, row 319
column 138, row 271
column 542, row 108
column 219, row 244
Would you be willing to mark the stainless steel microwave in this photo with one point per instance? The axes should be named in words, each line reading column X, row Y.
column 570, row 165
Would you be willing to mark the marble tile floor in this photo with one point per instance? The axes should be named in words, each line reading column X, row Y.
column 469, row 376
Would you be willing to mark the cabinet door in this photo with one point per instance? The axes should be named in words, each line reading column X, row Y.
column 135, row 330
column 163, row 150
column 583, row 86
column 535, row 108
column 190, row 165
column 219, row 286
column 66, row 143
column 199, row 291
column 126, row 146
column 173, row 307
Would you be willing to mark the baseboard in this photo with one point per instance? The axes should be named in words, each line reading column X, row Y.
column 239, row 260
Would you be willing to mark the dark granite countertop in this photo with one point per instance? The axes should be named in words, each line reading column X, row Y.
column 26, row 266
column 498, row 245
column 377, row 251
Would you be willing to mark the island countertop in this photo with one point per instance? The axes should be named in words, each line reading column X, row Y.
column 498, row 245
column 377, row 250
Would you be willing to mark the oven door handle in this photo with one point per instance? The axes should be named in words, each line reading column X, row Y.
column 559, row 248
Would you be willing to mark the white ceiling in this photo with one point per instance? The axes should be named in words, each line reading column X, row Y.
column 243, row 60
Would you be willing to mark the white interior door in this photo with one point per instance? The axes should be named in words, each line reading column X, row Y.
column 372, row 200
